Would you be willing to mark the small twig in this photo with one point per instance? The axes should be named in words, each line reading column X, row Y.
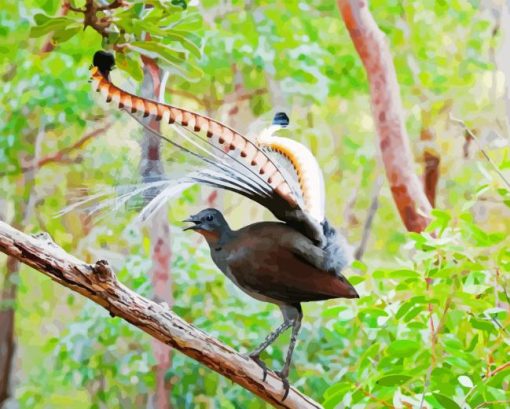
column 358, row 254
column 57, row 156
column 443, row 317
column 425, row 386
column 188, row 95
column 113, row 5
column 499, row 369
column 384, row 403
column 72, row 8
column 215, row 102
column 349, row 217
column 434, row 336
column 482, row 150
column 492, row 402
column 90, row 18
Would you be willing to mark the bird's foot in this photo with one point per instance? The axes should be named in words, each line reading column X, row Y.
column 285, row 380
column 259, row 362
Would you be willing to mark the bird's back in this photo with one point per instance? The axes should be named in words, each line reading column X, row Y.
column 279, row 263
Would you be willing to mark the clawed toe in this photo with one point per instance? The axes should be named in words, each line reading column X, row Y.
column 262, row 365
column 285, row 381
column 283, row 375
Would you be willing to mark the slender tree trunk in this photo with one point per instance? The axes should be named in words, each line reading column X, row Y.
column 7, row 340
column 372, row 47
column 501, row 56
column 151, row 167
column 23, row 210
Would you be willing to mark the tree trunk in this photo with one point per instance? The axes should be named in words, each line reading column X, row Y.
column 150, row 168
column 372, row 47
column 431, row 158
column 7, row 341
column 23, row 208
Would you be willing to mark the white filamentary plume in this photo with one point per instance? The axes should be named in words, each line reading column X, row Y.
column 309, row 173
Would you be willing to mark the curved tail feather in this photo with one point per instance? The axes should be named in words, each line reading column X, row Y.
column 233, row 161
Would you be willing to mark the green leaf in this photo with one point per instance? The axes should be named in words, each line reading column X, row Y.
column 445, row 401
column 180, row 3
column 356, row 279
column 403, row 309
column 465, row 381
column 131, row 65
column 403, row 348
column 359, row 266
column 167, row 55
column 393, row 380
column 404, row 274
column 181, row 38
column 62, row 36
column 46, row 25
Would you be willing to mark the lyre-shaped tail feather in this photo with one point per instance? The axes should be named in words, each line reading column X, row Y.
column 235, row 162
column 304, row 167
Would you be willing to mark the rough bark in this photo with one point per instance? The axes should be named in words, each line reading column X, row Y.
column 372, row 47
column 431, row 161
column 7, row 340
column 24, row 206
column 161, row 250
column 99, row 284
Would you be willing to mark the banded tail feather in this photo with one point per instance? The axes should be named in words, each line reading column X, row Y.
column 241, row 165
column 217, row 132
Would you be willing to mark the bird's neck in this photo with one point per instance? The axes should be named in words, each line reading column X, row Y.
column 217, row 239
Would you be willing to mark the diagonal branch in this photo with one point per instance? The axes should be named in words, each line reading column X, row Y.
column 99, row 284
column 62, row 155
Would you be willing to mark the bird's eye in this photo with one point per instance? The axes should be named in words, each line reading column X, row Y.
column 209, row 218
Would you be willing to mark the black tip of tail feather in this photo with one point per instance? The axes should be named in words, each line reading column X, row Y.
column 281, row 119
column 104, row 61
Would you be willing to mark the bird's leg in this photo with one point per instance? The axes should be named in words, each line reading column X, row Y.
column 296, row 325
column 271, row 338
column 255, row 355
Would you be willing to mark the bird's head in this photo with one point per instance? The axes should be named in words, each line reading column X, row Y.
column 104, row 61
column 210, row 223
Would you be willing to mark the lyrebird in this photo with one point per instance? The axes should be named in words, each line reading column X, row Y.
column 296, row 260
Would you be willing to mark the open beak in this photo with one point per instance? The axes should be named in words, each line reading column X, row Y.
column 195, row 226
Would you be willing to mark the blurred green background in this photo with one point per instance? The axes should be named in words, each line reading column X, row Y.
column 431, row 326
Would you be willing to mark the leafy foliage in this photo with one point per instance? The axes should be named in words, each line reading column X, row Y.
column 430, row 329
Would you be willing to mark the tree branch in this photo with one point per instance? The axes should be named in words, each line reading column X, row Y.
column 90, row 18
column 113, row 5
column 372, row 47
column 61, row 155
column 374, row 205
column 99, row 284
